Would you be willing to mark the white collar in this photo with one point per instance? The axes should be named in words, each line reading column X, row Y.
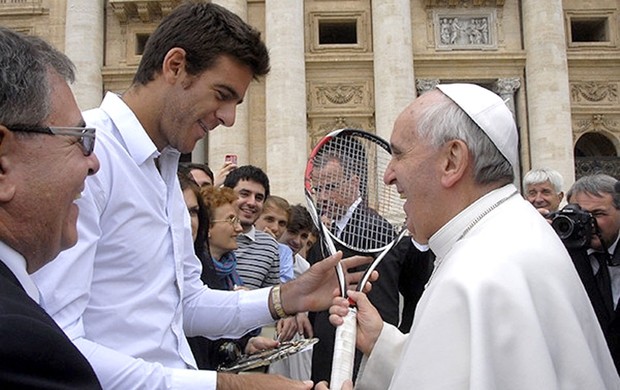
column 251, row 234
column 134, row 136
column 342, row 222
column 444, row 239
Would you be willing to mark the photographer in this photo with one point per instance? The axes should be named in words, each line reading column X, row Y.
column 597, row 262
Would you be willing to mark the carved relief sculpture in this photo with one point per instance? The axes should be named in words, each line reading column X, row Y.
column 593, row 91
column 465, row 30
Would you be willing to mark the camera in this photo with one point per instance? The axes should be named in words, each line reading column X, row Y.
column 574, row 226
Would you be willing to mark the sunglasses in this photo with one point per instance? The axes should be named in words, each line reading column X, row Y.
column 85, row 135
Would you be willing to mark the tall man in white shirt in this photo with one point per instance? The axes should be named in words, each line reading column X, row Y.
column 504, row 308
column 129, row 292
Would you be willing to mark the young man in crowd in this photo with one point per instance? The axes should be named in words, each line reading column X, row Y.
column 258, row 259
column 274, row 220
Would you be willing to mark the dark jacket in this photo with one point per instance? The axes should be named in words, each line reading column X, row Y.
column 34, row 352
column 599, row 292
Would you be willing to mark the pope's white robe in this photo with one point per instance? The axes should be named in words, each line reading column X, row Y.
column 504, row 310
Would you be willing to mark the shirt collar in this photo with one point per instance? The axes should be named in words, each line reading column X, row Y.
column 17, row 264
column 612, row 247
column 444, row 239
column 134, row 136
column 251, row 234
column 342, row 222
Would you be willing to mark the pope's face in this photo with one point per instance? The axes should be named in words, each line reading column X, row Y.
column 414, row 170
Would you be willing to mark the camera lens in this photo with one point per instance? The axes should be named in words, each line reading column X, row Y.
column 563, row 226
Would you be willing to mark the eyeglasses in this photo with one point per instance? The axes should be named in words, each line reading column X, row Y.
column 86, row 135
column 234, row 221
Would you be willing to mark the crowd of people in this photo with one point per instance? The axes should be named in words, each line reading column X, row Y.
column 121, row 268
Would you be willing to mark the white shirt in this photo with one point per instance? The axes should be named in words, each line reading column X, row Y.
column 504, row 309
column 129, row 292
column 342, row 222
column 17, row 264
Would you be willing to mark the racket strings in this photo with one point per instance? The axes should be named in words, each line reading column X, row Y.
column 356, row 206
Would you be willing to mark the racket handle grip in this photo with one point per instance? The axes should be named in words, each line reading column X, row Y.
column 344, row 350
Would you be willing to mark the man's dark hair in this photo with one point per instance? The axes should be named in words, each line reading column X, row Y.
column 250, row 173
column 299, row 220
column 205, row 31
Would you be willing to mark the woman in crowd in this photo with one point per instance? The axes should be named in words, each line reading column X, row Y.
column 215, row 227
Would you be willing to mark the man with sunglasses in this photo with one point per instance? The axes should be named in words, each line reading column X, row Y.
column 45, row 156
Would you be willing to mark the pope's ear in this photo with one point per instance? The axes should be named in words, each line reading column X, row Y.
column 7, row 145
column 456, row 161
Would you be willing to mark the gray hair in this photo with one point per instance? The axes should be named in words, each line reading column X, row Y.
column 538, row 176
column 445, row 121
column 596, row 185
column 25, row 65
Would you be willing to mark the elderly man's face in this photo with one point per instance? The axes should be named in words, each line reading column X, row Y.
column 543, row 196
column 414, row 170
column 50, row 173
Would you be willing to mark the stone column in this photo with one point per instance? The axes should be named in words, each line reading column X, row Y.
column 84, row 42
column 506, row 89
column 228, row 140
column 285, row 89
column 393, row 61
column 548, row 97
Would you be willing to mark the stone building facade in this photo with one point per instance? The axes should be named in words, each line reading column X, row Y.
column 357, row 63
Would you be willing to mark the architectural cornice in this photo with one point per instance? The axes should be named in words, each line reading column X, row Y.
column 145, row 11
column 22, row 7
column 463, row 3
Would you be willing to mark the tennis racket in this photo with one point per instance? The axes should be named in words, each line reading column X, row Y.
column 351, row 206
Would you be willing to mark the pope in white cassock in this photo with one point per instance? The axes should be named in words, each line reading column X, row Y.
column 504, row 308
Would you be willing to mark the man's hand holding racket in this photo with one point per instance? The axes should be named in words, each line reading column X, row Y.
column 314, row 289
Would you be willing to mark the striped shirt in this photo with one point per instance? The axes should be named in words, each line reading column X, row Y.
column 258, row 259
